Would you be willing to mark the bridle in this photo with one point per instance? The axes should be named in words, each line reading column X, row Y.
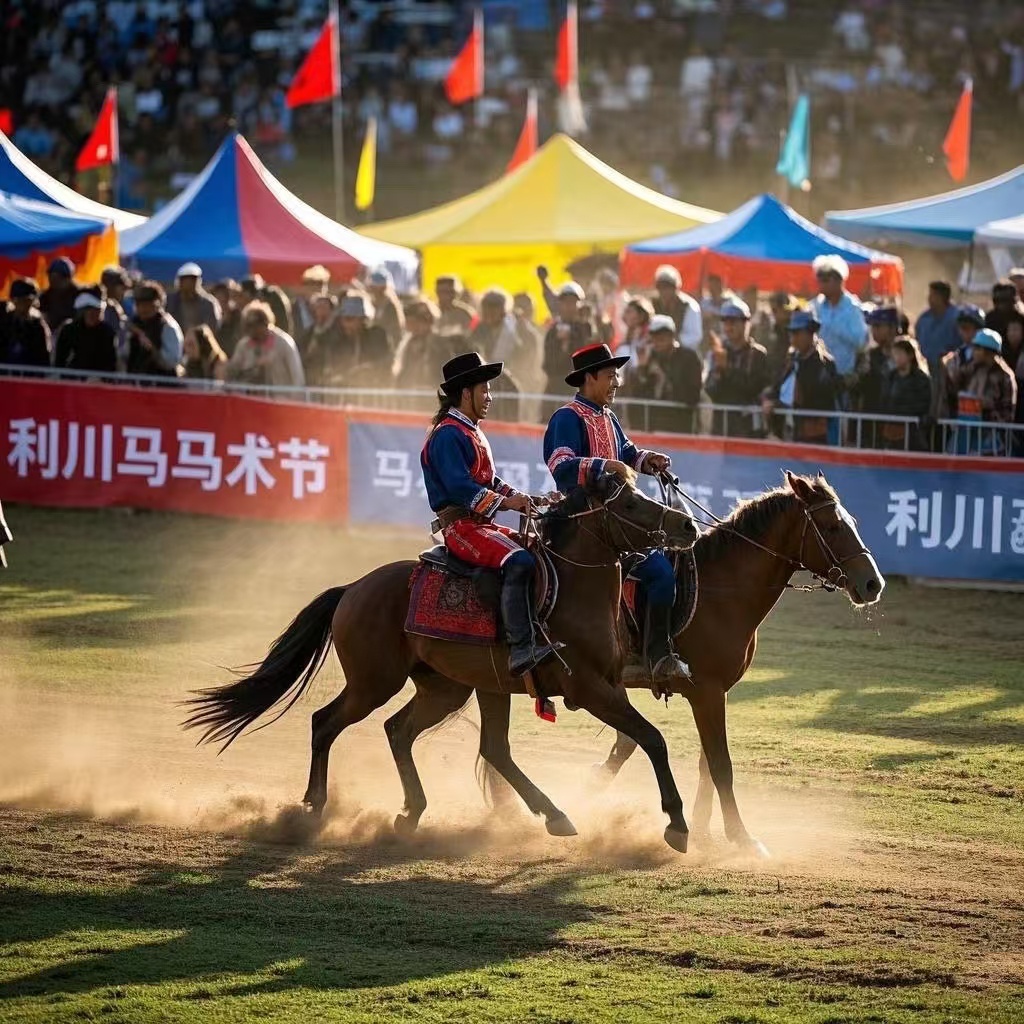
column 656, row 538
column 834, row 579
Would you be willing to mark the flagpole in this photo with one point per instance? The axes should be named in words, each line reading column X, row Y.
column 115, row 164
column 337, row 126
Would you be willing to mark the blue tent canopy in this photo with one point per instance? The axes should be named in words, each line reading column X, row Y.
column 27, row 226
column 763, row 244
column 20, row 177
column 945, row 221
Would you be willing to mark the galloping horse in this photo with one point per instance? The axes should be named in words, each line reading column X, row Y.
column 588, row 533
column 744, row 564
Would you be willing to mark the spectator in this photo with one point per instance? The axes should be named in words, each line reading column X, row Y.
column 423, row 352
column 388, row 314
column 565, row 335
column 366, row 356
column 495, row 335
column 739, row 371
column 154, row 338
column 683, row 308
column 875, row 362
column 265, row 356
column 781, row 306
column 1006, row 307
column 254, row 288
column 204, row 358
column 85, row 342
column 936, row 328
column 116, row 282
column 315, row 281
column 228, row 295
column 985, row 378
column 57, row 303
column 531, row 346
column 711, row 304
column 24, row 334
column 839, row 315
column 1016, row 275
column 321, row 345
column 455, row 315
column 190, row 303
column 969, row 320
column 906, row 391
column 666, row 372
column 808, row 382
column 636, row 317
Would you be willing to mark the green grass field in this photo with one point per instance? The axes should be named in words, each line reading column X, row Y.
column 878, row 755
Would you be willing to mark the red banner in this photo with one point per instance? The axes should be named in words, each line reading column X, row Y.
column 88, row 445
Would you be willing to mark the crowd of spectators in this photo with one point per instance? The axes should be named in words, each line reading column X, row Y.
column 747, row 365
column 705, row 83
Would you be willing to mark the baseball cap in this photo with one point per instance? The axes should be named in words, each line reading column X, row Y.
column 571, row 288
column 86, row 300
column 883, row 315
column 989, row 339
column 24, row 288
column 189, row 269
column 972, row 314
column 803, row 320
column 734, row 309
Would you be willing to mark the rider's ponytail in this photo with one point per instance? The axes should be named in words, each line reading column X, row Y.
column 447, row 404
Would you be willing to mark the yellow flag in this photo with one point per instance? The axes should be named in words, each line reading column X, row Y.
column 366, row 176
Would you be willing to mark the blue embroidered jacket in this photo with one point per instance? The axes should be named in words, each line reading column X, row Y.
column 581, row 437
column 458, row 468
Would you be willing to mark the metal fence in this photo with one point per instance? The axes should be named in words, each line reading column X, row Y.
column 845, row 429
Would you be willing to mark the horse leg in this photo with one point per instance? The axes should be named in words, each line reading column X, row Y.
column 702, row 802
column 709, row 715
column 621, row 752
column 494, row 749
column 364, row 692
column 610, row 705
column 435, row 699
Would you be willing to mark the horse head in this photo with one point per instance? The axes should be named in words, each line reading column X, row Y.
column 830, row 545
column 625, row 518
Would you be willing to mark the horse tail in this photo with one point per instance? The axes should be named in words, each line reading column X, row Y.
column 291, row 664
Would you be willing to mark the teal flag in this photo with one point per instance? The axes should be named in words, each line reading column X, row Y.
column 795, row 156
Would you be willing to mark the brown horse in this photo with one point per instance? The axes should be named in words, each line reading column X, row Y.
column 587, row 534
column 744, row 565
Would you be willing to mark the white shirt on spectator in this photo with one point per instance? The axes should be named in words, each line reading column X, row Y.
column 449, row 125
column 638, row 83
column 696, row 74
column 403, row 116
column 149, row 101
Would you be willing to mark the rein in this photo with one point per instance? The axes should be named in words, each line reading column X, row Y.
column 834, row 580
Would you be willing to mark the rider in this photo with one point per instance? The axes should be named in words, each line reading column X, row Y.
column 458, row 470
column 583, row 440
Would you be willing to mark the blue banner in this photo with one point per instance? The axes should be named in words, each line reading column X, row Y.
column 942, row 522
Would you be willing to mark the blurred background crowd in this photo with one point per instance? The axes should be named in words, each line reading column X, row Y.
column 693, row 106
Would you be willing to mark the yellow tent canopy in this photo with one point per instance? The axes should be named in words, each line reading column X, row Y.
column 560, row 205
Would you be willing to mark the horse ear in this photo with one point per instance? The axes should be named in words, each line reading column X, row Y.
column 799, row 486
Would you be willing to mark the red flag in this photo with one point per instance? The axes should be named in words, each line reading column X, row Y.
column 957, row 143
column 465, row 79
column 567, row 60
column 102, row 148
column 6, row 121
column 527, row 144
column 318, row 78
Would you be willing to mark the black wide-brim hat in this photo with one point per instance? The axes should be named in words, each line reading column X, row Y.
column 590, row 359
column 466, row 371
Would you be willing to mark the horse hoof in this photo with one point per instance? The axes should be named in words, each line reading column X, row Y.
column 313, row 810
column 405, row 824
column 560, row 825
column 755, row 848
column 601, row 774
column 676, row 839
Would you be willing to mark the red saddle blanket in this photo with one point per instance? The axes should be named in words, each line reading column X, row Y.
column 448, row 607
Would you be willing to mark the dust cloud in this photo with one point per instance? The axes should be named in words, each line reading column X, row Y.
column 111, row 746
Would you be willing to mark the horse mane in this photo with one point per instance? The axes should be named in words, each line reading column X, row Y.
column 556, row 523
column 754, row 517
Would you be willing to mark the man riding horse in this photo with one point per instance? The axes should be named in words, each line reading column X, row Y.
column 462, row 488
column 584, row 439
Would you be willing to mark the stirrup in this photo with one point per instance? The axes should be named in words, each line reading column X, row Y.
column 667, row 670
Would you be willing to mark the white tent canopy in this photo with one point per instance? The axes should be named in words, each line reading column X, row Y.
column 1009, row 231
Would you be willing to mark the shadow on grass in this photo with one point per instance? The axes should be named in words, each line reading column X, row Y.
column 317, row 928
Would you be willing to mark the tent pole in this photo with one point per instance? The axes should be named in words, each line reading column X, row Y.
column 337, row 127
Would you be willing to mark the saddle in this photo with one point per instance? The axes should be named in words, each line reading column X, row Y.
column 687, row 593
column 455, row 600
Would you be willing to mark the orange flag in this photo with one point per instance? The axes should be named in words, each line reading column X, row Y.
column 527, row 144
column 567, row 57
column 318, row 77
column 957, row 144
column 465, row 79
column 102, row 148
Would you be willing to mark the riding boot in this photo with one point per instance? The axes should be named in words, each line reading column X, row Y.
column 666, row 667
column 517, row 614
